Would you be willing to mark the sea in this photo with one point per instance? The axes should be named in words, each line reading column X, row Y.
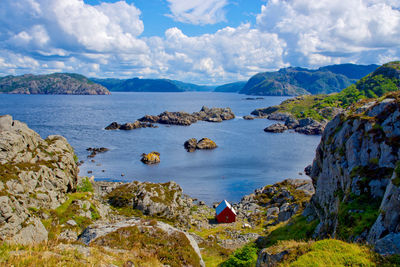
column 247, row 158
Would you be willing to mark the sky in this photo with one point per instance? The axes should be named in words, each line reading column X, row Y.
column 198, row 41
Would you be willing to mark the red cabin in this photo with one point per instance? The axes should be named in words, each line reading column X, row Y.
column 225, row 213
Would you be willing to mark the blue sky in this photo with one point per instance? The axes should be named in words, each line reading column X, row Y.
column 199, row 41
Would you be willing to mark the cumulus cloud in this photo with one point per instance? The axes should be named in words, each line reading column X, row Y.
column 325, row 31
column 198, row 11
column 229, row 54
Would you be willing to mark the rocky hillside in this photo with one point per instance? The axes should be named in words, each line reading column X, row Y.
column 35, row 174
column 57, row 84
column 356, row 173
column 322, row 108
column 301, row 81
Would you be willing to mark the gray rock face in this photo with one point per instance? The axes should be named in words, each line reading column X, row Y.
column 354, row 165
column 279, row 201
column 35, row 173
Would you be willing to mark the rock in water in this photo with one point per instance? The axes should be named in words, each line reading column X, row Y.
column 186, row 119
column 206, row 143
column 190, row 145
column 276, row 128
column 35, row 174
column 248, row 117
column 151, row 158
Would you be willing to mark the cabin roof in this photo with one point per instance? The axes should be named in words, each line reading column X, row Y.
column 223, row 205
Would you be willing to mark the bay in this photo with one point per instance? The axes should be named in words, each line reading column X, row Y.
column 246, row 158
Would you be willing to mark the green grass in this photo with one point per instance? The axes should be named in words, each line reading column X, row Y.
column 297, row 228
column 331, row 252
column 85, row 186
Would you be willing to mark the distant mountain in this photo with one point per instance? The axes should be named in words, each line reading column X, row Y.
column 193, row 87
column 302, row 81
column 56, row 83
column 150, row 85
column 230, row 87
column 351, row 71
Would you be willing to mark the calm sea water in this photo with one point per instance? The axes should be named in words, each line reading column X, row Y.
column 246, row 158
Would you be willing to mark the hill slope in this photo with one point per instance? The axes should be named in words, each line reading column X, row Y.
column 149, row 85
column 56, row 83
column 230, row 87
column 301, row 81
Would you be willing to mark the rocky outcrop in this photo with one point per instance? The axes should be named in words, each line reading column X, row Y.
column 147, row 235
column 276, row 128
column 151, row 158
column 129, row 125
column 56, row 83
column 354, row 173
column 279, row 202
column 35, row 174
column 186, row 119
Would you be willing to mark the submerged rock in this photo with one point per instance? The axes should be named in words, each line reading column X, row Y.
column 151, row 158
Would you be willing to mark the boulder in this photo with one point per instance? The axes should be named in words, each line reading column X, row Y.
column 276, row 128
column 151, row 158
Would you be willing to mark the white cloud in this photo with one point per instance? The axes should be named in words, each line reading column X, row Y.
column 42, row 36
column 325, row 31
column 229, row 54
column 198, row 11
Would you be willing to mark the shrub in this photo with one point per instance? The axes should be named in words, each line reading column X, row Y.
column 85, row 186
column 243, row 257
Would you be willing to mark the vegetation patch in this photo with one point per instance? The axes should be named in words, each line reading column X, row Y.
column 244, row 257
column 297, row 228
column 356, row 214
column 331, row 252
column 85, row 186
